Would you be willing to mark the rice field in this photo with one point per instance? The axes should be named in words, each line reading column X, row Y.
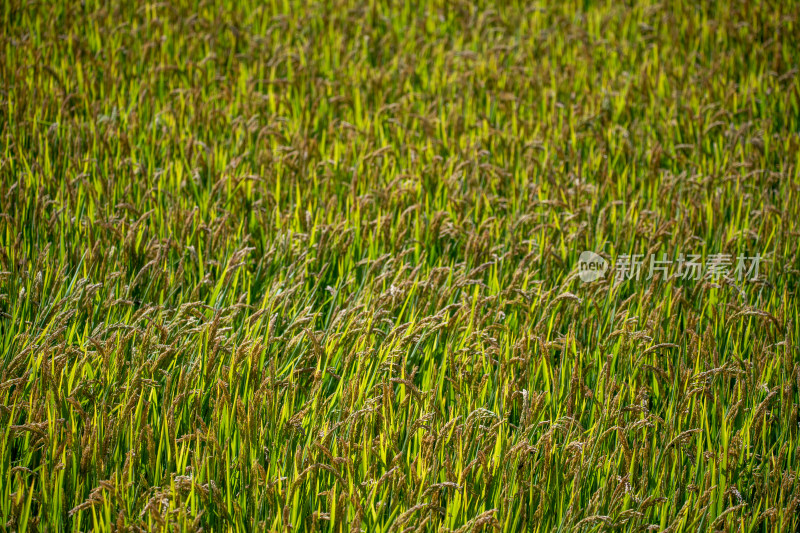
column 396, row 267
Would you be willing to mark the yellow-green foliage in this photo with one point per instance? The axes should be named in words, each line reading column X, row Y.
column 300, row 266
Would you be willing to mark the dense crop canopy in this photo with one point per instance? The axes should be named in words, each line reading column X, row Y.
column 300, row 266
